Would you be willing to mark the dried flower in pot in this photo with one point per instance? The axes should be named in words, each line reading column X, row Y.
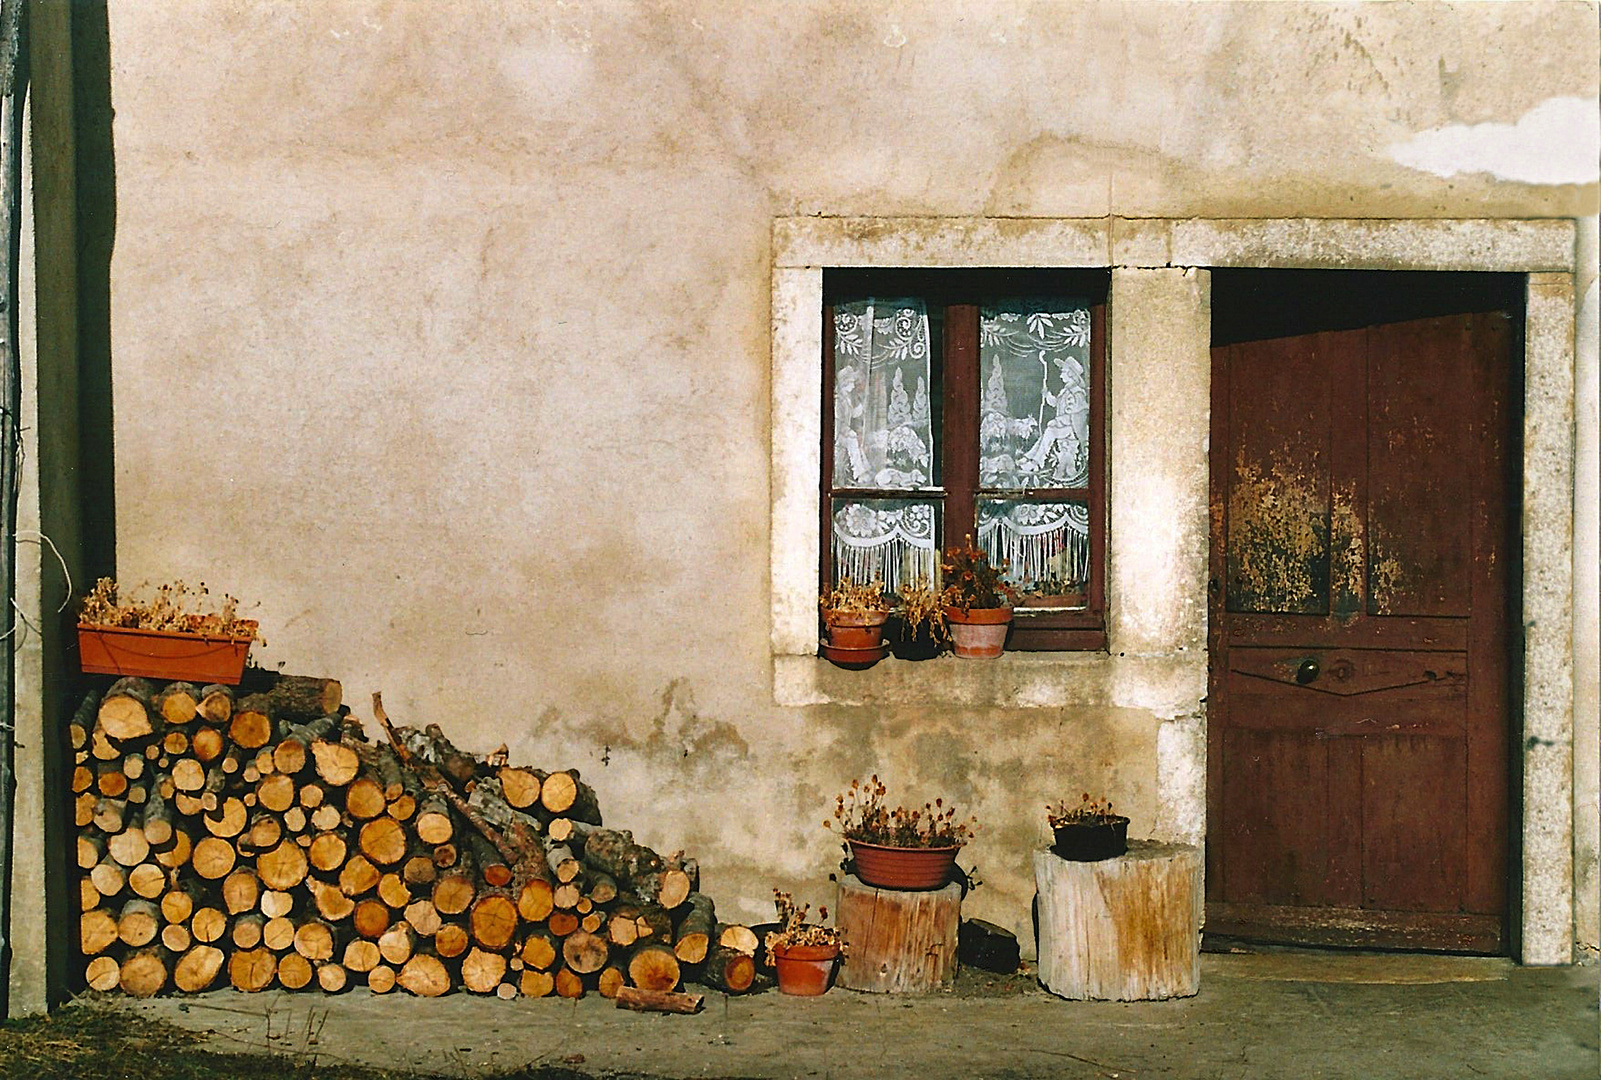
column 854, row 616
column 919, row 625
column 120, row 633
column 1088, row 832
column 803, row 954
column 978, row 603
column 899, row 847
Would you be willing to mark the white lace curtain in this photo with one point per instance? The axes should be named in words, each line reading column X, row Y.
column 1034, row 431
column 883, row 438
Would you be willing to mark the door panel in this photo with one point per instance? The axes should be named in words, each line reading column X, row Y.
column 1358, row 711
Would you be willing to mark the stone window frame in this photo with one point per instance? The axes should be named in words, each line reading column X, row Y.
column 1543, row 249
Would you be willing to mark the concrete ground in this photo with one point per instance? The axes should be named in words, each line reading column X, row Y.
column 1262, row 1015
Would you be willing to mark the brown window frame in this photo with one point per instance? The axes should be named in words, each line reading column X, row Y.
column 960, row 294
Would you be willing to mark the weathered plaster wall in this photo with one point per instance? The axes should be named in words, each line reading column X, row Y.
column 445, row 333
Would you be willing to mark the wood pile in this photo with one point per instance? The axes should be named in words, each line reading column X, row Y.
column 254, row 836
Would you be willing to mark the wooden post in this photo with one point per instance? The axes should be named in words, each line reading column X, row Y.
column 1123, row 929
column 898, row 942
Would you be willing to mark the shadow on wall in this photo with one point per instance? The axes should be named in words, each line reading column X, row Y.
column 96, row 168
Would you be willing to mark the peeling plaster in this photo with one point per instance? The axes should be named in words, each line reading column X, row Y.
column 1556, row 142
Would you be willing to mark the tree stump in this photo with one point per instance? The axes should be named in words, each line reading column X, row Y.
column 899, row 942
column 1123, row 929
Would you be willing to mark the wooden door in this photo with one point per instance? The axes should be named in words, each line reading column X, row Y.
column 1358, row 713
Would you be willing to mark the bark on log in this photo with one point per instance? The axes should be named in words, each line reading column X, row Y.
column 692, row 936
column 157, row 819
column 728, row 970
column 216, row 704
column 304, row 697
column 433, row 821
column 1123, row 929
column 491, row 865
column 642, row 1000
column 900, row 942
column 138, row 923
column 125, row 709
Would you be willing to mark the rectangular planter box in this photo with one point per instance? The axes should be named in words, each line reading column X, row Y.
column 162, row 654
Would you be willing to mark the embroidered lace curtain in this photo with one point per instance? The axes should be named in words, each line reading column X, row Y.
column 1034, row 430
column 883, row 439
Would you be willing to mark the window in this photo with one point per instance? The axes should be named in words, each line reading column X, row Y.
column 961, row 403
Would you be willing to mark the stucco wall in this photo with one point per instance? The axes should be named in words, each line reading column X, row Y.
column 445, row 332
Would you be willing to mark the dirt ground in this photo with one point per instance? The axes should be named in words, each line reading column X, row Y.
column 1261, row 1015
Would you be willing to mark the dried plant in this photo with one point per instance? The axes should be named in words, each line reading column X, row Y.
column 921, row 605
column 173, row 607
column 1088, row 812
column 1054, row 586
column 971, row 582
column 794, row 930
column 863, row 814
column 848, row 598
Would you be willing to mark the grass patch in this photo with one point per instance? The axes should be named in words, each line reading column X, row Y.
column 86, row 1041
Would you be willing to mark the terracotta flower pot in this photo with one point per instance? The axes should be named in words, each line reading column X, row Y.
column 1092, row 841
column 903, row 868
column 859, row 631
column 804, row 970
column 979, row 632
column 162, row 654
column 852, row 659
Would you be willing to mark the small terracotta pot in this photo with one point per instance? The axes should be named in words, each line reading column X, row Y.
column 852, row 659
column 864, row 631
column 905, row 868
column 979, row 632
column 804, row 970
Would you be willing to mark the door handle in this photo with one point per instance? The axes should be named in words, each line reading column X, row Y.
column 1308, row 671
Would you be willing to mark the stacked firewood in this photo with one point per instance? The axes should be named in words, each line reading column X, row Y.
column 255, row 835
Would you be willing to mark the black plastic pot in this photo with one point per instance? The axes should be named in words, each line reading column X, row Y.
column 1092, row 841
column 920, row 646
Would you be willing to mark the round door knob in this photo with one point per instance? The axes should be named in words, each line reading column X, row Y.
column 1308, row 671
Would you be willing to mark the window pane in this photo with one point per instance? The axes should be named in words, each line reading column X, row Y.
column 1034, row 413
column 1045, row 546
column 890, row 540
column 883, row 427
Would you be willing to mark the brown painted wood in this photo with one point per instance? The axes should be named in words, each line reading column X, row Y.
column 1362, row 495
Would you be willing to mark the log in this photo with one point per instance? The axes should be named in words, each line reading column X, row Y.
column 1123, row 929
column 241, row 891
column 88, row 896
column 304, row 697
column 91, row 849
column 108, row 877
column 229, row 818
column 293, row 751
column 506, row 991
column 156, row 819
column 207, row 744
column 656, row 924
column 276, row 904
column 179, row 902
column 174, row 743
column 147, row 880
column 214, row 858
column 423, row 917
column 381, row 979
column 278, row 934
column 361, row 956
column 331, row 902
column 455, row 889
column 593, row 922
column 139, row 922
column 314, row 940
column 642, row 1000
column 247, row 930
column 491, row 865
column 610, row 980
column 569, row 984
column 178, row 702
column 459, row 768
column 282, row 868
column 452, row 940
column 110, row 780
column 565, row 794
column 692, row 932
column 614, row 852
column 433, row 822
column 364, row 798
column 103, row 973
column 383, row 840
column 265, row 831
column 143, row 973
column 728, row 970
column 481, row 971
column 419, row 870
column 493, row 919
column 208, row 924
column 562, row 923
column 125, row 713
column 899, row 942
column 216, row 704
column 295, row 971
column 332, row 978
column 311, row 796
column 584, row 952
column 359, row 876
column 392, row 890
column 988, row 947
column 197, row 969
column 335, row 762
column 371, row 918
column 327, row 851
column 251, row 725
column 397, row 944
column 539, row 949
column 535, row 900
column 83, row 779
column 739, row 938
column 294, row 819
column 97, row 931
column 602, row 888
column 110, row 814
column 424, row 976
column 536, row 984
column 252, row 970
column 385, row 766
column 653, row 967
column 101, row 746
column 188, row 774
column 276, row 792
column 566, row 868
column 179, row 853
column 519, row 787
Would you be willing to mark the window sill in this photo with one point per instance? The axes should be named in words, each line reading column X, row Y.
column 1170, row 683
